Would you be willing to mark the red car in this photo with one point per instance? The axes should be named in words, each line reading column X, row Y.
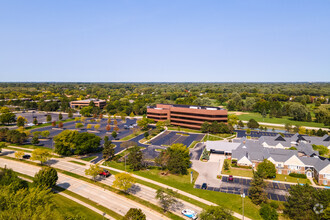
column 105, row 173
column 230, row 178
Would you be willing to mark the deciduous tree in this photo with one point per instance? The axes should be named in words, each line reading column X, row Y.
column 216, row 212
column 124, row 181
column 266, row 169
column 93, row 171
column 19, row 154
column 134, row 214
column 42, row 155
column 46, row 177
column 21, row 121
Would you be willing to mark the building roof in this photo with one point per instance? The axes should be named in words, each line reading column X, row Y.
column 221, row 146
column 88, row 100
column 191, row 106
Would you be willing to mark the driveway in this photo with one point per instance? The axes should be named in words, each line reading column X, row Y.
column 197, row 151
column 209, row 170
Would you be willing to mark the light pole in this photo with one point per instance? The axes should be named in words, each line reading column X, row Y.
column 243, row 196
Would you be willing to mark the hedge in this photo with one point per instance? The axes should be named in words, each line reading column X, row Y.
column 298, row 175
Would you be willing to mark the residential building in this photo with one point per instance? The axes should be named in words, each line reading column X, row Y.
column 83, row 103
column 186, row 115
column 303, row 160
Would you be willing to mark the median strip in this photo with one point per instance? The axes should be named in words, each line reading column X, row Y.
column 119, row 192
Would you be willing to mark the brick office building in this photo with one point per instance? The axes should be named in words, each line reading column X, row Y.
column 83, row 103
column 186, row 115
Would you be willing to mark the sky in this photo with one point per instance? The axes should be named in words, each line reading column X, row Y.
column 165, row 41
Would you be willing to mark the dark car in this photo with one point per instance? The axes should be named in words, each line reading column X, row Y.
column 204, row 186
column 230, row 178
column 105, row 173
column 26, row 156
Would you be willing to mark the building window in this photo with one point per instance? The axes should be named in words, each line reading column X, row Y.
column 289, row 171
column 325, row 182
column 327, row 176
column 279, row 171
column 293, row 167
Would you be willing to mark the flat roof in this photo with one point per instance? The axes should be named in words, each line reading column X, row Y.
column 89, row 100
column 191, row 106
column 221, row 146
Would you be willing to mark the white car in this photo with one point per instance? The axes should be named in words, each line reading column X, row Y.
column 189, row 213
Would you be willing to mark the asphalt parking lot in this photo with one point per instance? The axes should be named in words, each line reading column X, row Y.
column 41, row 116
column 101, row 131
column 172, row 137
column 275, row 191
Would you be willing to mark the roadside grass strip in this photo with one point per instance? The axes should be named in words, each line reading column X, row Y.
column 110, row 188
column 88, row 158
column 77, row 162
column 229, row 201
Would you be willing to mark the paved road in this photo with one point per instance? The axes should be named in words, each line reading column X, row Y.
column 142, row 191
column 282, row 125
column 97, row 194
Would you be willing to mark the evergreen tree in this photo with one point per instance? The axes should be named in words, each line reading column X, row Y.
column 257, row 189
column 135, row 158
column 109, row 149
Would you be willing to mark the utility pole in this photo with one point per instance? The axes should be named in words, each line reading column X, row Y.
column 243, row 196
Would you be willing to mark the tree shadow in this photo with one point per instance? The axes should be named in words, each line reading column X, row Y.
column 64, row 185
column 177, row 206
column 51, row 162
column 134, row 189
column 4, row 153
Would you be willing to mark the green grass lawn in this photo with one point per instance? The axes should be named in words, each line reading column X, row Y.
column 248, row 173
column 89, row 158
column 68, row 207
column 281, row 177
column 285, row 119
column 174, row 128
column 211, row 137
column 182, row 182
column 192, row 145
column 130, row 136
column 238, row 172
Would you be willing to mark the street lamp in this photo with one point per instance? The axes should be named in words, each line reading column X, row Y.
column 243, row 196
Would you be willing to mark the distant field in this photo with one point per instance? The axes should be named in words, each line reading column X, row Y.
column 285, row 119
